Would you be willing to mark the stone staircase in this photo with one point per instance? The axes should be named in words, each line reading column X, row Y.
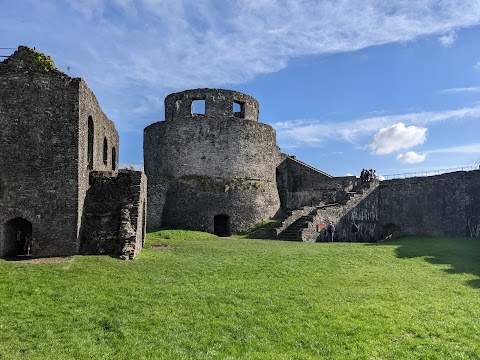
column 301, row 224
column 293, row 231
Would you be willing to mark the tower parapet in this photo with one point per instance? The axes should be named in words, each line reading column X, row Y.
column 212, row 103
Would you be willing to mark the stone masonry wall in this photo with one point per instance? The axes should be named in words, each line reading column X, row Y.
column 114, row 214
column 301, row 185
column 200, row 166
column 104, row 129
column 442, row 205
column 43, row 152
column 218, row 103
column 38, row 154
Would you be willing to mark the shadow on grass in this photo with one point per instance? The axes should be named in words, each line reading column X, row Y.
column 462, row 254
column 263, row 230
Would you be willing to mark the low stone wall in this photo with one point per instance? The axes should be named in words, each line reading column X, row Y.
column 339, row 215
column 114, row 219
column 442, row 205
column 301, row 185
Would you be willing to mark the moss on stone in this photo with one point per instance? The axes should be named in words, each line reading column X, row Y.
column 43, row 63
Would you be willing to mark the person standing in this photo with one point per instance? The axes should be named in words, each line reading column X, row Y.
column 330, row 232
column 354, row 231
column 28, row 244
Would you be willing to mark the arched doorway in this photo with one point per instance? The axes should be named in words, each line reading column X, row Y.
column 221, row 225
column 17, row 233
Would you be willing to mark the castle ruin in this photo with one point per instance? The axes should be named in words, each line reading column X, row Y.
column 56, row 147
column 221, row 171
column 213, row 171
column 211, row 166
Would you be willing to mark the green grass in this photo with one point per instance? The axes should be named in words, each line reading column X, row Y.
column 263, row 230
column 210, row 298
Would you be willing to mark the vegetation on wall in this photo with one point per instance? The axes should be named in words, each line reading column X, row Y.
column 43, row 63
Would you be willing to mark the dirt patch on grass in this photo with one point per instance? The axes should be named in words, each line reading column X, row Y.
column 50, row 260
column 160, row 247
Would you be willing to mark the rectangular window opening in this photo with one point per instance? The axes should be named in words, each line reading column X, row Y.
column 198, row 107
column 239, row 109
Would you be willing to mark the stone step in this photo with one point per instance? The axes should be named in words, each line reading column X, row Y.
column 290, row 237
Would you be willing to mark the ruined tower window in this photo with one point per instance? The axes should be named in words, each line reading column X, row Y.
column 105, row 151
column 239, row 109
column 198, row 107
column 114, row 159
column 90, row 143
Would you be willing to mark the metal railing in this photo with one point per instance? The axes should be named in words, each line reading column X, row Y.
column 428, row 172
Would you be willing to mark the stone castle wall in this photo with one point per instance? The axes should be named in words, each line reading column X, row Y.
column 38, row 148
column 103, row 131
column 442, row 205
column 115, row 209
column 44, row 146
column 301, row 185
column 202, row 165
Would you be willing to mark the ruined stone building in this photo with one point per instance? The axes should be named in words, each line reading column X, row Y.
column 211, row 166
column 215, row 168
column 59, row 177
column 220, row 170
column 211, row 170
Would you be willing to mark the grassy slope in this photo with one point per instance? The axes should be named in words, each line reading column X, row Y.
column 236, row 298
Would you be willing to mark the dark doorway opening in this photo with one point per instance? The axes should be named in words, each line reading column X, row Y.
column 18, row 238
column 221, row 225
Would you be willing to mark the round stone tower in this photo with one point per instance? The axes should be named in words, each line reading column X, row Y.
column 210, row 164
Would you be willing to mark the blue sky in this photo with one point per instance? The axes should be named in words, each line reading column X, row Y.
column 389, row 85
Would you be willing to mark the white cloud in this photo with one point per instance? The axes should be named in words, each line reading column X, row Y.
column 470, row 148
column 448, row 39
column 397, row 137
column 157, row 46
column 186, row 43
column 411, row 157
column 471, row 89
column 477, row 65
column 314, row 132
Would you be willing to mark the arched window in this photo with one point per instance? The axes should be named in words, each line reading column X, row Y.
column 90, row 143
column 114, row 159
column 105, row 151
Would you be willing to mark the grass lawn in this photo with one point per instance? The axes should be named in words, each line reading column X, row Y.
column 202, row 297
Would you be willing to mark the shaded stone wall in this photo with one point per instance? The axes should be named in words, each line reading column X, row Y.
column 43, row 151
column 114, row 220
column 103, row 129
column 200, row 166
column 442, row 205
column 302, row 185
column 38, row 154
